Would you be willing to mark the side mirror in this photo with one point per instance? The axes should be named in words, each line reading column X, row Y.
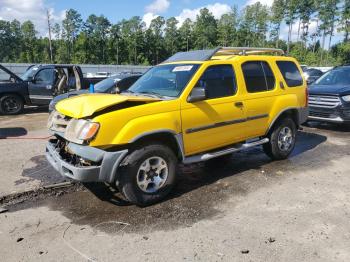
column 197, row 94
column 31, row 79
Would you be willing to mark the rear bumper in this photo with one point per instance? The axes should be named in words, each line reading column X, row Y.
column 105, row 171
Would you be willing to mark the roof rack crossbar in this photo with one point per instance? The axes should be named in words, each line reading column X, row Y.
column 204, row 55
column 246, row 51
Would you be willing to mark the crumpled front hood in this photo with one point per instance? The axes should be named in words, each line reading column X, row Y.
column 86, row 105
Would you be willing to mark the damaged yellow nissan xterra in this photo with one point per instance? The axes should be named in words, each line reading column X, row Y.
column 193, row 107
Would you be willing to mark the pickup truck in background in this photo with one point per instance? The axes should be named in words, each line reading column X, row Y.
column 38, row 85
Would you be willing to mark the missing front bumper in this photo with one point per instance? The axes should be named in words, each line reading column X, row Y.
column 106, row 171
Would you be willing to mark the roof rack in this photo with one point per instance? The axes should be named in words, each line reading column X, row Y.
column 204, row 55
column 224, row 51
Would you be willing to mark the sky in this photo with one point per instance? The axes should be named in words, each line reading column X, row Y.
column 116, row 10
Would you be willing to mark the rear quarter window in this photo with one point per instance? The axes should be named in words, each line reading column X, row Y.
column 290, row 73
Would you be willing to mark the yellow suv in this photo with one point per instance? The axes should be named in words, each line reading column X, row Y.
column 193, row 107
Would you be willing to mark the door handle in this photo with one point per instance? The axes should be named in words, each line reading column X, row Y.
column 239, row 104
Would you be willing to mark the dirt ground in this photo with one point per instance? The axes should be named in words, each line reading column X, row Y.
column 242, row 208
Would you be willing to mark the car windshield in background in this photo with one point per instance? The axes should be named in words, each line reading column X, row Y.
column 29, row 73
column 165, row 80
column 339, row 76
column 104, row 85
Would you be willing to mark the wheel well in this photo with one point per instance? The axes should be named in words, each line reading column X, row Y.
column 166, row 138
column 291, row 113
column 9, row 93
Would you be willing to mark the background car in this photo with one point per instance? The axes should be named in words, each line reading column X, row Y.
column 114, row 84
column 329, row 96
column 312, row 74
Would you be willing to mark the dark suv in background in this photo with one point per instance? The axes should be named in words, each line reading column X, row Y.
column 114, row 84
column 329, row 96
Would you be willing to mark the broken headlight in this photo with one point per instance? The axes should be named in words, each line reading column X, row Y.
column 81, row 130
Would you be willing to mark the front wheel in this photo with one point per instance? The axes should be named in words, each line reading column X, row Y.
column 11, row 104
column 147, row 174
column 282, row 139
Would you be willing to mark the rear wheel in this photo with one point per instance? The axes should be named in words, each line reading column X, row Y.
column 282, row 139
column 11, row 104
column 147, row 174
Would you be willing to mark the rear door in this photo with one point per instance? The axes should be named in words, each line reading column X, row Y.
column 41, row 87
column 261, row 92
column 219, row 119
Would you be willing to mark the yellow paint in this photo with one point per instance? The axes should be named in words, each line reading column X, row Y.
column 122, row 126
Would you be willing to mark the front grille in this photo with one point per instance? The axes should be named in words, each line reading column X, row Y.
column 324, row 101
column 58, row 122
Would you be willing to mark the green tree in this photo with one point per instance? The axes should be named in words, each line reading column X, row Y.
column 328, row 11
column 132, row 33
column 205, row 30
column 306, row 8
column 227, row 28
column 291, row 10
column 28, row 54
column 171, row 36
column 277, row 15
column 71, row 26
column 186, row 35
column 345, row 20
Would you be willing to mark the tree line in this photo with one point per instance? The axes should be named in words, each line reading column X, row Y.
column 97, row 41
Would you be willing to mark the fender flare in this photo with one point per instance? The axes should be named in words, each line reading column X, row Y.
column 278, row 116
column 178, row 138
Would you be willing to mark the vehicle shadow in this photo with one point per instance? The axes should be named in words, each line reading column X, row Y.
column 328, row 126
column 35, row 110
column 201, row 177
column 12, row 132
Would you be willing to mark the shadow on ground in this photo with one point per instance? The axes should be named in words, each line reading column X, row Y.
column 41, row 171
column 345, row 128
column 36, row 109
column 7, row 132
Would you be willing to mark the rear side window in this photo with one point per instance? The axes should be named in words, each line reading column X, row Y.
column 290, row 73
column 218, row 81
column 258, row 76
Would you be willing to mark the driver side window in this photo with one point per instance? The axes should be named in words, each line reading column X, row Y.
column 44, row 76
column 218, row 81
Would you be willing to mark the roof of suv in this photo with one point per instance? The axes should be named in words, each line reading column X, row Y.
column 221, row 53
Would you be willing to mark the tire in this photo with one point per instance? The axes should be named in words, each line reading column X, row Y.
column 282, row 139
column 143, row 169
column 11, row 104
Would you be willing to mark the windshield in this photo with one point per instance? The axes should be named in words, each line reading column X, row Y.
column 339, row 76
column 165, row 80
column 104, row 85
column 29, row 73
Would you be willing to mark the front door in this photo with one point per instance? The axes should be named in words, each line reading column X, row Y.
column 41, row 87
column 217, row 121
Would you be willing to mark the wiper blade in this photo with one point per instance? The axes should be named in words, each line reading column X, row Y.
column 150, row 93
column 127, row 91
